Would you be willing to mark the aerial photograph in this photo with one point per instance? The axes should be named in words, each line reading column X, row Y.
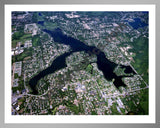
column 80, row 63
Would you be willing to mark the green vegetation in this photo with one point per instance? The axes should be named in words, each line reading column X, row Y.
column 71, row 106
column 20, row 37
column 14, row 89
column 47, row 13
column 81, row 38
column 50, row 86
column 16, row 76
column 119, row 71
column 20, row 57
column 50, row 25
column 68, row 103
column 20, row 28
column 89, row 68
column 99, row 82
column 36, row 41
column 93, row 113
column 81, row 110
column 20, row 85
column 140, row 55
column 140, row 47
column 138, row 107
column 17, row 35
column 114, row 109
column 44, row 38
column 54, row 111
column 46, row 85
column 21, row 100
column 144, row 101
column 35, row 18
column 13, row 27
column 122, row 110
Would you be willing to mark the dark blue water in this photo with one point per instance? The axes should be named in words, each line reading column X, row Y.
column 39, row 14
column 137, row 23
column 57, row 64
column 105, row 65
column 146, row 12
column 41, row 23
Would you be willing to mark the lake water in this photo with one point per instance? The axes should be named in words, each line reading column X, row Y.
column 39, row 14
column 105, row 65
column 137, row 23
column 41, row 23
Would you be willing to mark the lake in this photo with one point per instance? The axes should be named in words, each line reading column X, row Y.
column 137, row 23
column 104, row 65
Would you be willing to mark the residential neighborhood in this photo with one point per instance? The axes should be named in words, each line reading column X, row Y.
column 79, row 63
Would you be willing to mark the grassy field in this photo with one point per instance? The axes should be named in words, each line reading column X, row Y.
column 21, row 39
column 20, row 57
column 50, row 25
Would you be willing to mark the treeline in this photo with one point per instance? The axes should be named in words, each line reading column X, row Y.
column 17, row 35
